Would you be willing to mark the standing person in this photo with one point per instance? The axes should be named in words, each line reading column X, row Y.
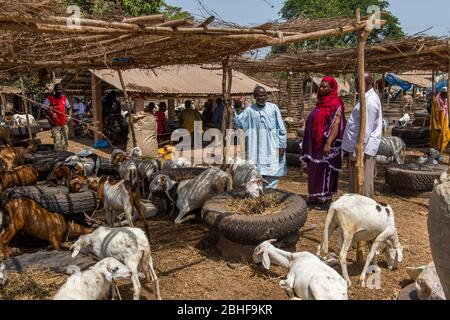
column 188, row 116
column 207, row 115
column 267, row 137
column 57, row 104
column 78, row 107
column 439, row 131
column 238, row 105
column 218, row 114
column 321, row 148
column 372, row 139
column 161, row 118
column 151, row 108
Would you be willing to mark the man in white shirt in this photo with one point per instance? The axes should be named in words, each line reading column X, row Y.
column 372, row 139
column 78, row 107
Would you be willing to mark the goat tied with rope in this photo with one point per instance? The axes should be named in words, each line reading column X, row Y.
column 28, row 216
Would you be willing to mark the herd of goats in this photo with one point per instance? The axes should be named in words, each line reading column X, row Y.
column 124, row 251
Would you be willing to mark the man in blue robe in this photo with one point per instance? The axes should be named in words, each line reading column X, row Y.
column 266, row 137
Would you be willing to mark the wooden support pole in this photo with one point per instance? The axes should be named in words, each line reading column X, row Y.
column 383, row 84
column 362, row 39
column 227, row 80
column 96, row 88
column 25, row 105
column 171, row 108
column 128, row 104
column 3, row 99
column 433, row 83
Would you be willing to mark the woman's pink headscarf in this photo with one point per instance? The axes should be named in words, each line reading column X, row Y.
column 326, row 105
column 442, row 104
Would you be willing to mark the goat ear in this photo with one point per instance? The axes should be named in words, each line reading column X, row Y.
column 109, row 274
column 75, row 252
column 399, row 254
column 266, row 260
column 272, row 240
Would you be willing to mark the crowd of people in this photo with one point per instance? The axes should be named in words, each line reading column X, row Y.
column 328, row 134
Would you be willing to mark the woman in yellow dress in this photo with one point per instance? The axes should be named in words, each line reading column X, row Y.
column 439, row 131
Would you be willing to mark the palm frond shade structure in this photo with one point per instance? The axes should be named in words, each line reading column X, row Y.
column 40, row 34
column 413, row 53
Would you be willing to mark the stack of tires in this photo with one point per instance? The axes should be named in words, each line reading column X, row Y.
column 293, row 153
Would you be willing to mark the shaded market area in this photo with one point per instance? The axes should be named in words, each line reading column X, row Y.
column 124, row 137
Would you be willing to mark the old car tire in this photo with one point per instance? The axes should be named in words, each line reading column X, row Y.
column 293, row 160
column 28, row 190
column 65, row 204
column 422, row 114
column 293, row 146
column 253, row 230
column 411, row 133
column 409, row 182
column 103, row 166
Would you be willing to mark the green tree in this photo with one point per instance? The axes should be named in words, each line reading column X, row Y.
column 315, row 9
column 132, row 7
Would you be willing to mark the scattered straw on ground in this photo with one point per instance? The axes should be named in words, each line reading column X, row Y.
column 262, row 206
column 32, row 284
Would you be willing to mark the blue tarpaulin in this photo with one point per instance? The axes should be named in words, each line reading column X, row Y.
column 392, row 80
column 439, row 86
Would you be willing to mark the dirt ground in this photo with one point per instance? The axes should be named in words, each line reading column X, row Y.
column 189, row 266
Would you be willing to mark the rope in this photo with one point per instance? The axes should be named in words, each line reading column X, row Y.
column 43, row 106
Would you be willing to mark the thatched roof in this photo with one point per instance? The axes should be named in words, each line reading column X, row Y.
column 10, row 90
column 413, row 53
column 38, row 34
column 172, row 81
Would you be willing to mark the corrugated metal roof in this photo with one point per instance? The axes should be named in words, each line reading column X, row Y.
column 417, row 78
column 179, row 80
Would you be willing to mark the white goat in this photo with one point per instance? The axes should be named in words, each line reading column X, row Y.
column 247, row 177
column 128, row 245
column 403, row 121
column 308, row 277
column 362, row 219
column 128, row 168
column 94, row 283
column 393, row 148
column 118, row 197
column 145, row 169
column 176, row 163
column 192, row 193
column 21, row 119
column 3, row 274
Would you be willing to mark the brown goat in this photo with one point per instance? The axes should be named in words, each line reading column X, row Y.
column 76, row 184
column 28, row 216
column 13, row 156
column 21, row 176
column 61, row 171
column 5, row 136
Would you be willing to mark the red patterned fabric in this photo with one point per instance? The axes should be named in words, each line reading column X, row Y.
column 326, row 106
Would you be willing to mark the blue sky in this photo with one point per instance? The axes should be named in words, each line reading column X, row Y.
column 414, row 15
